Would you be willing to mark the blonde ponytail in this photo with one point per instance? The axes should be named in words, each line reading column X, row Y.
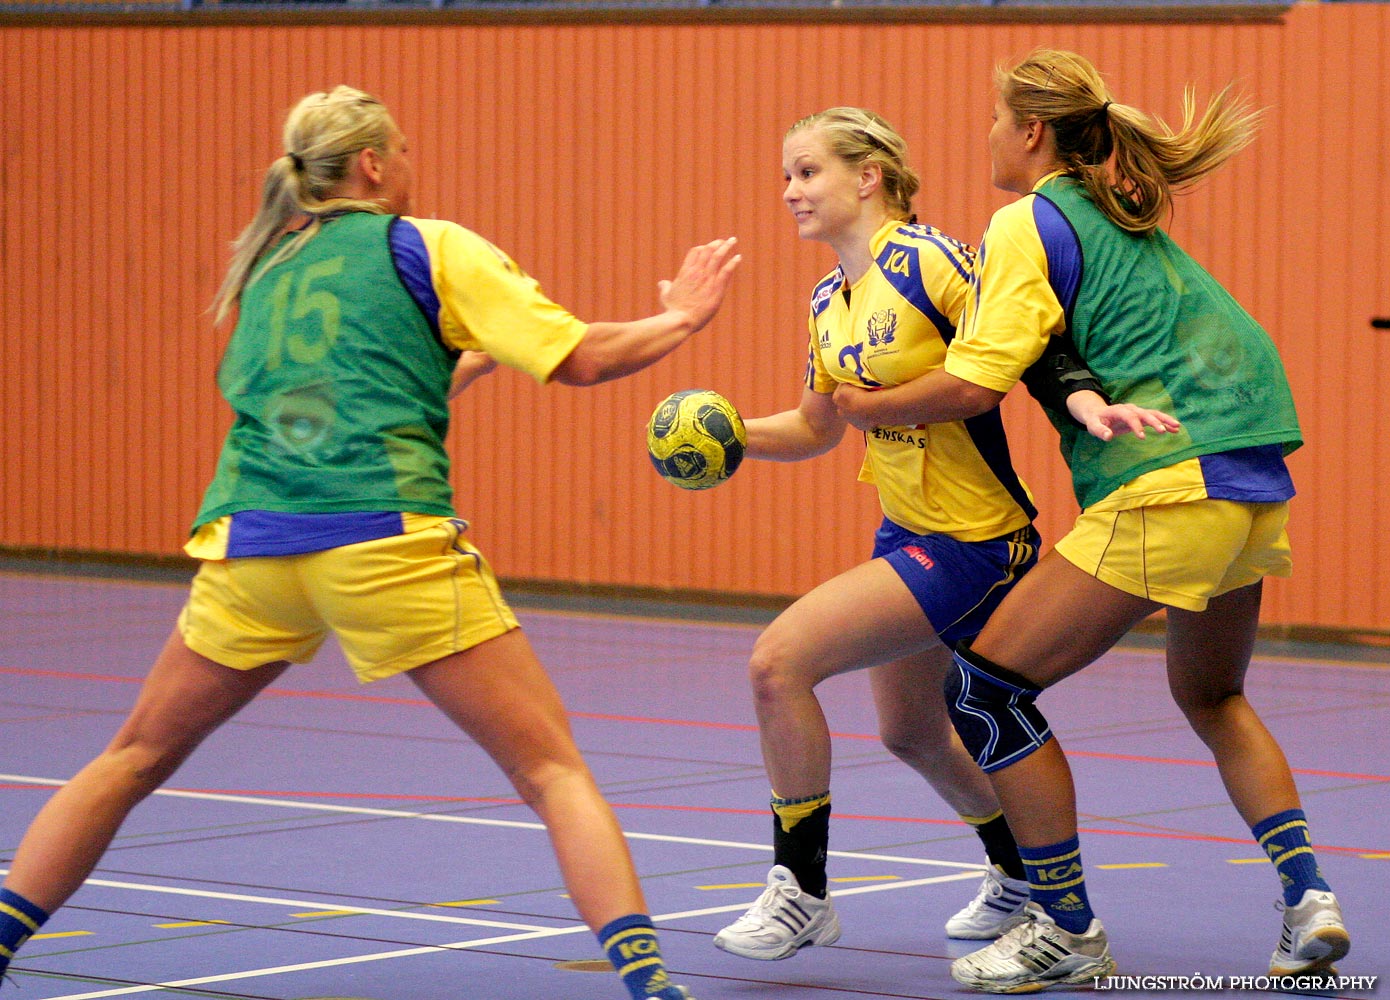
column 322, row 134
column 1131, row 163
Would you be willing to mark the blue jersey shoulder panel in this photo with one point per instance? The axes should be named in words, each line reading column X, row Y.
column 412, row 260
column 901, row 266
column 1063, row 249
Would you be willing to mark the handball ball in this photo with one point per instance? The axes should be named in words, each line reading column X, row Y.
column 696, row 439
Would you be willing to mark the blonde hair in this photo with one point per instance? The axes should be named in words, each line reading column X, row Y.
column 323, row 133
column 1131, row 163
column 859, row 136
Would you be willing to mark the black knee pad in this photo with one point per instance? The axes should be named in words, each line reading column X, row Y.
column 993, row 711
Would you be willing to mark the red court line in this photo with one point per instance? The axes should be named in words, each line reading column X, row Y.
column 650, row 720
column 649, row 806
column 705, row 810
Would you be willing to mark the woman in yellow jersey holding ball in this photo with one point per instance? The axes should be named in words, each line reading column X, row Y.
column 332, row 510
column 957, row 531
column 1191, row 521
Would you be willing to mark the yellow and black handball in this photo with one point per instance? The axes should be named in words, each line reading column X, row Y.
column 696, row 439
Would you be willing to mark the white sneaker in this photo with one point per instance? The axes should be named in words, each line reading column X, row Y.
column 783, row 921
column 1314, row 936
column 996, row 908
column 1035, row 955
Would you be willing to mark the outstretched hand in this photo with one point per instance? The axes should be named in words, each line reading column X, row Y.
column 1105, row 420
column 698, row 288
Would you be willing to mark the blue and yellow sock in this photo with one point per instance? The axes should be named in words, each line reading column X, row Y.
column 18, row 919
column 631, row 945
column 1284, row 837
column 801, row 838
column 1057, row 883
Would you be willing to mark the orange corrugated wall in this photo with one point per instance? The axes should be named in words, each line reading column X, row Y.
column 595, row 153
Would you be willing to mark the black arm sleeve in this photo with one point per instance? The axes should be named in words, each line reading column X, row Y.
column 1059, row 373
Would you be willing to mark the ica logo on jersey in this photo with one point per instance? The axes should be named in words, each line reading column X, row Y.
column 898, row 263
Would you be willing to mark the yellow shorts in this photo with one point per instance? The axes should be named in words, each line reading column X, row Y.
column 1181, row 554
column 395, row 603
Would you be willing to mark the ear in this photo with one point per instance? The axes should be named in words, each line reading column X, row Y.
column 1033, row 133
column 870, row 178
column 370, row 165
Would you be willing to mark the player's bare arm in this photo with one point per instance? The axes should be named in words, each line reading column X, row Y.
column 934, row 398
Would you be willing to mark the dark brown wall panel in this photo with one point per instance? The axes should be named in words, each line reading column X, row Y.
column 596, row 154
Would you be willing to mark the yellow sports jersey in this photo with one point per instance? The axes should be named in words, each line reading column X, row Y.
column 891, row 326
column 486, row 302
column 1013, row 308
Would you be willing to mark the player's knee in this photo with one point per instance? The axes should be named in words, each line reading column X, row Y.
column 1213, row 713
column 135, row 770
column 918, row 741
column 992, row 710
column 540, row 781
column 772, row 669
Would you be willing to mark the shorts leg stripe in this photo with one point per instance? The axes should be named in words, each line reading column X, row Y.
column 1105, row 550
column 1144, row 548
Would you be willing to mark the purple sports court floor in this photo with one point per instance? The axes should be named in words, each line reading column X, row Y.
column 338, row 840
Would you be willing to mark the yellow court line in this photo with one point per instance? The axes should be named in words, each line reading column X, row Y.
column 1377, row 857
column 1247, row 861
column 192, row 923
column 1136, row 864
column 468, row 902
column 59, row 934
column 327, row 913
column 842, row 878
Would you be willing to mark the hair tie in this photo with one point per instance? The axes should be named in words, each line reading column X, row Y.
column 296, row 161
column 1105, row 108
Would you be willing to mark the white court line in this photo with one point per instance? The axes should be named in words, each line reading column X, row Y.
column 313, row 904
column 461, row 945
column 476, row 821
column 856, row 891
column 327, row 963
column 527, row 934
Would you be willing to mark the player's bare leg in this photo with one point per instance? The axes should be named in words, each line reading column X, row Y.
column 184, row 698
column 914, row 726
column 864, row 617
column 499, row 694
column 1208, row 655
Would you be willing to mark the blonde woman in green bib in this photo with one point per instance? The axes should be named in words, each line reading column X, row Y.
column 331, row 509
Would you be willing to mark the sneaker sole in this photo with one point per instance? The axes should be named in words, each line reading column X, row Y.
column 788, row 951
column 1086, row 976
column 997, row 931
column 1337, row 942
